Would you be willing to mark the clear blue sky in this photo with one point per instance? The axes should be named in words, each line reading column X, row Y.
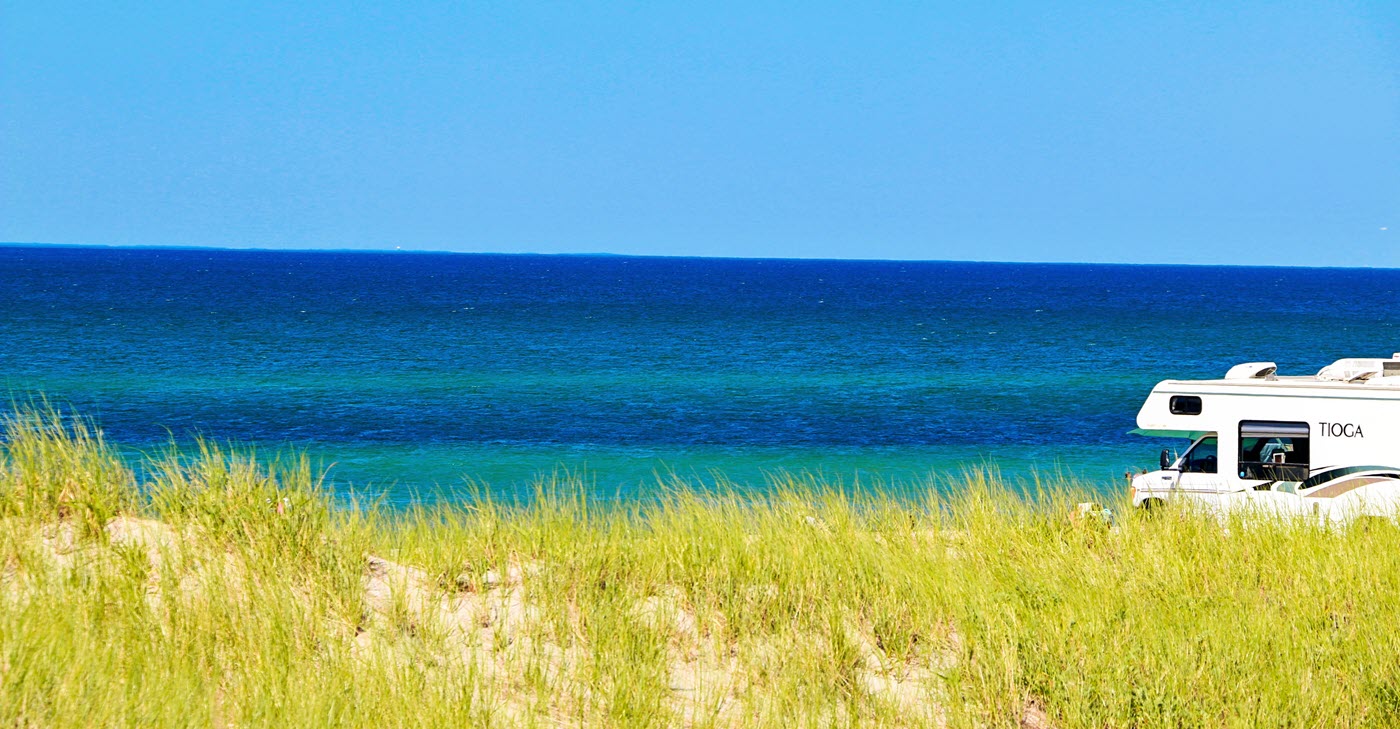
column 1211, row 132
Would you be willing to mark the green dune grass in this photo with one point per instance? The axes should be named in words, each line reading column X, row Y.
column 226, row 589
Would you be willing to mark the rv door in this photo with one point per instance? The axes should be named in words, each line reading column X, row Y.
column 1197, row 473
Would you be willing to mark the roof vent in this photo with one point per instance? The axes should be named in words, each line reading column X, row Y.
column 1352, row 369
column 1252, row 371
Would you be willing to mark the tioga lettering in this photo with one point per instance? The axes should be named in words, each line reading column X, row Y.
column 1341, row 430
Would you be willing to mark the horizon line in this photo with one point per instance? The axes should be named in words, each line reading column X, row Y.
column 604, row 254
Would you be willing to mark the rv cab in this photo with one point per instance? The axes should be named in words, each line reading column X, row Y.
column 1198, row 468
column 1324, row 445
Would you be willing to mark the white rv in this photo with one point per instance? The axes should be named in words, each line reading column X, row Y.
column 1325, row 445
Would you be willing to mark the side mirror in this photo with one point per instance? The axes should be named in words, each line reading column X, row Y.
column 1166, row 459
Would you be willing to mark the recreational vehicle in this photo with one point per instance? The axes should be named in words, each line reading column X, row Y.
column 1324, row 445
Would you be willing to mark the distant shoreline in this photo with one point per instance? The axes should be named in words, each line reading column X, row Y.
column 643, row 256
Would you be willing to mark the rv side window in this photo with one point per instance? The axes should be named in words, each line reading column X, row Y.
column 1272, row 450
column 1202, row 457
column 1185, row 405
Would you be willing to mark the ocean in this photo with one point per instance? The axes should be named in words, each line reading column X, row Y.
column 422, row 376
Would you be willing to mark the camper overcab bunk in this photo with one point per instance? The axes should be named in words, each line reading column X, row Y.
column 1325, row 445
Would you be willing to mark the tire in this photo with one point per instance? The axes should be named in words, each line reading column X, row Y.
column 1149, row 506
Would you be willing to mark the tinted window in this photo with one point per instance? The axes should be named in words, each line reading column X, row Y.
column 1186, row 405
column 1202, row 458
column 1273, row 451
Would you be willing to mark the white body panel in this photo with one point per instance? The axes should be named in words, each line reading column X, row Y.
column 1349, row 424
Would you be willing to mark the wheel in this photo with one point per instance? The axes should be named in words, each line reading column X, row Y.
column 1372, row 523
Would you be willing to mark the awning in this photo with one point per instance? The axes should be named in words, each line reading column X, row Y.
column 1272, row 429
column 1151, row 432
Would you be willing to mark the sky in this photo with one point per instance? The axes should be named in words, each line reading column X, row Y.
column 1184, row 132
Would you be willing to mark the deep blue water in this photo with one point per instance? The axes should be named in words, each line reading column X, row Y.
column 405, row 371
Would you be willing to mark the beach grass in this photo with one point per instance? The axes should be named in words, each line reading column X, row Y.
column 225, row 588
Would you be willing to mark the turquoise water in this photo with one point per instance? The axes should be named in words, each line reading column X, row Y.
column 409, row 374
